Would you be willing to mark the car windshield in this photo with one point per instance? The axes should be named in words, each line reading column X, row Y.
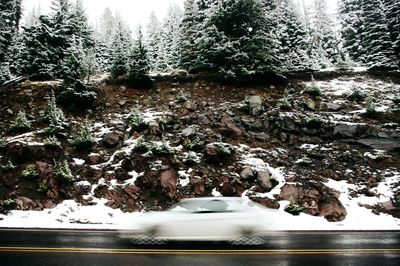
column 212, row 205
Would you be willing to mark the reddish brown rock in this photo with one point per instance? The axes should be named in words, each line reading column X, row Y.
column 225, row 187
column 267, row 202
column 169, row 181
column 198, row 185
column 316, row 198
column 45, row 170
column 132, row 191
column 112, row 139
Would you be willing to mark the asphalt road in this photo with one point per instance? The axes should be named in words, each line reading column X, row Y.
column 68, row 247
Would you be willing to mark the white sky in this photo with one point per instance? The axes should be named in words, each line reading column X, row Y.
column 133, row 11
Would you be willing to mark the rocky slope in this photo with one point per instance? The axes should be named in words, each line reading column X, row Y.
column 193, row 138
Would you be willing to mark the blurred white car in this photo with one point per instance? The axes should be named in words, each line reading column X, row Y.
column 232, row 219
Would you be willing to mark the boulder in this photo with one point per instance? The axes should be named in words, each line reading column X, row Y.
column 127, row 165
column 316, row 198
column 264, row 180
column 247, row 173
column 255, row 105
column 45, row 170
column 345, row 130
column 191, row 106
column 132, row 191
column 25, row 204
column 267, row 202
column 111, row 140
column 310, row 104
column 187, row 132
column 198, row 185
column 225, row 187
column 169, row 181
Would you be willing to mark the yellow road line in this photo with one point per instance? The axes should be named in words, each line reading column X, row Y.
column 199, row 252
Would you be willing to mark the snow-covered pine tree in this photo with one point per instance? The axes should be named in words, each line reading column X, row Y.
column 377, row 46
column 80, row 26
column 392, row 11
column 75, row 94
column 36, row 55
column 103, row 40
column 352, row 26
column 107, row 26
column 121, row 45
column 324, row 39
column 236, row 43
column 153, row 39
column 73, row 68
column 10, row 16
column 170, row 36
column 188, row 35
column 139, row 65
column 61, row 31
column 292, row 37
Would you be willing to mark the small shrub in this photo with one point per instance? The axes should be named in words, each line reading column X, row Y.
column 30, row 172
column 54, row 116
column 9, row 204
column 136, row 121
column 181, row 97
column 62, row 172
column 85, row 139
column 21, row 123
column 284, row 104
column 141, row 146
column 190, row 159
column 161, row 149
column 222, row 150
column 8, row 166
column 193, row 145
column 295, row 208
column 42, row 186
column 313, row 89
column 77, row 96
column 314, row 122
column 370, row 110
column 52, row 143
column 356, row 95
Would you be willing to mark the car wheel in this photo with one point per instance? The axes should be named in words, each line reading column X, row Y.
column 248, row 241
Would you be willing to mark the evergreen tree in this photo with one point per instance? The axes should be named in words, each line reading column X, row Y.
column 377, row 45
column 37, row 56
column 170, row 36
column 352, row 26
column 324, row 41
column 153, row 40
column 61, row 30
column 121, row 46
column 292, row 38
column 188, row 35
column 10, row 16
column 139, row 66
column 107, row 26
column 236, row 43
column 76, row 94
column 392, row 10
column 80, row 26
